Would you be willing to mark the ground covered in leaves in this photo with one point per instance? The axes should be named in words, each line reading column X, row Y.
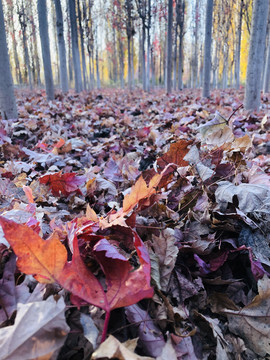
column 141, row 220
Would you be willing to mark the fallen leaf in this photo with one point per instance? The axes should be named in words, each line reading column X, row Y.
column 140, row 191
column 113, row 349
column 150, row 335
column 63, row 184
column 44, row 259
column 40, row 329
column 166, row 251
column 251, row 197
column 175, row 155
column 252, row 323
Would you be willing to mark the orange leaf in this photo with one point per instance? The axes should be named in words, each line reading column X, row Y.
column 43, row 258
column 140, row 191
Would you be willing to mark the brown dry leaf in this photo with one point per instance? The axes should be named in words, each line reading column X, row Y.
column 112, row 348
column 166, row 251
column 252, row 323
column 175, row 155
column 40, row 329
column 242, row 143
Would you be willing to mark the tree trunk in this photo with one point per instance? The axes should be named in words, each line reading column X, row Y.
column 143, row 57
column 129, row 31
column 75, row 47
column 175, row 58
column 180, row 19
column 14, row 44
column 132, row 62
column 7, row 99
column 70, row 69
column 169, row 47
column 97, row 68
column 256, row 54
column 121, row 59
column 45, row 47
column 194, row 62
column 267, row 70
column 23, row 25
column 61, row 46
column 148, row 47
column 36, row 57
column 82, row 46
column 238, row 46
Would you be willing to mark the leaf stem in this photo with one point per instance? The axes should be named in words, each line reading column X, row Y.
column 105, row 328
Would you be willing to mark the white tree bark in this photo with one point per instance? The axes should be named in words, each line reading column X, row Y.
column 7, row 99
column 45, row 47
column 61, row 46
column 75, row 47
column 207, row 49
column 256, row 54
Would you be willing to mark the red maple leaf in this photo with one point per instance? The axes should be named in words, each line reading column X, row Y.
column 63, row 184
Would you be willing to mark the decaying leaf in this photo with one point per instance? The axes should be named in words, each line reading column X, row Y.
column 250, row 196
column 252, row 323
column 39, row 330
column 112, row 348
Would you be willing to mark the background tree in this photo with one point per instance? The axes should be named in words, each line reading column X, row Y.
column 75, row 46
column 61, row 46
column 7, row 99
column 23, row 21
column 45, row 47
column 169, row 47
column 207, row 49
column 256, row 54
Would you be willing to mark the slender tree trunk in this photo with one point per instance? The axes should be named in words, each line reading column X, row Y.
column 82, row 46
column 70, row 69
column 140, row 77
column 14, row 45
column 143, row 57
column 180, row 20
column 132, row 62
column 175, row 57
column 7, row 99
column 153, row 80
column 267, row 70
column 129, row 64
column 169, row 47
column 23, row 25
column 148, row 47
column 97, row 68
column 75, row 47
column 180, row 63
column 61, row 46
column 45, row 47
column 194, row 63
column 207, row 49
column 238, row 46
column 256, row 54
column 121, row 59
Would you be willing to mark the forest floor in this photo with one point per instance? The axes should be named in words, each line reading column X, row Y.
column 123, row 183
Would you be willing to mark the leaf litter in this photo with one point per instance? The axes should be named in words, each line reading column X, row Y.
column 135, row 226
